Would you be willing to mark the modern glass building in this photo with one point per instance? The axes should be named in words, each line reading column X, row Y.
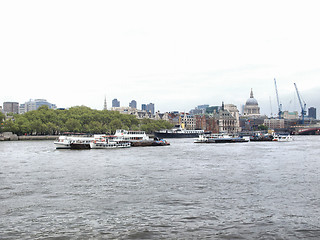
column 312, row 112
column 115, row 103
column 34, row 104
column 133, row 104
column 148, row 107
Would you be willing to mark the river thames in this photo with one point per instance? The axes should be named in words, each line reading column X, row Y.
column 255, row 190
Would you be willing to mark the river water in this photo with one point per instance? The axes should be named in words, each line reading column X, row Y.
column 255, row 190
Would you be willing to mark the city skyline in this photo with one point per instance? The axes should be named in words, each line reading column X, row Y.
column 177, row 57
column 309, row 111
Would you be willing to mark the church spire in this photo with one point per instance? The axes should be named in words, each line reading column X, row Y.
column 105, row 103
column 251, row 94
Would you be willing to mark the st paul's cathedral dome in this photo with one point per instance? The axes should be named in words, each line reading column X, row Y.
column 251, row 107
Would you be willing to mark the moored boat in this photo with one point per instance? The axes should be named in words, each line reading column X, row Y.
column 260, row 137
column 132, row 136
column 79, row 145
column 220, row 138
column 121, row 139
column 109, row 142
column 147, row 143
column 139, row 138
column 282, row 138
column 62, row 143
column 178, row 132
column 70, row 142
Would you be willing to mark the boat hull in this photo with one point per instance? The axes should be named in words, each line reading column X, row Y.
column 240, row 140
column 60, row 145
column 221, row 138
column 105, row 145
column 261, row 139
column 79, row 146
column 282, row 139
column 175, row 135
column 149, row 143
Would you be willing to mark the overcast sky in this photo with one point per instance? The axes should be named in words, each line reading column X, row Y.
column 175, row 54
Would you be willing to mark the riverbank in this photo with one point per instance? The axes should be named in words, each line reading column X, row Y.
column 8, row 136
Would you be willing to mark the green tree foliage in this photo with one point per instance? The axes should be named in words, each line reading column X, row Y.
column 262, row 127
column 115, row 124
column 2, row 118
column 9, row 126
column 73, row 125
column 79, row 119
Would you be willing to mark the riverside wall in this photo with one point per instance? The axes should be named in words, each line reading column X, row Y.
column 8, row 136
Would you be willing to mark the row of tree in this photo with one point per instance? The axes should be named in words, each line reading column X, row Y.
column 80, row 119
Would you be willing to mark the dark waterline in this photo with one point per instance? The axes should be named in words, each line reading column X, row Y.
column 256, row 190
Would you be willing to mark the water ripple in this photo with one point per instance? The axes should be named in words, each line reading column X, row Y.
column 184, row 191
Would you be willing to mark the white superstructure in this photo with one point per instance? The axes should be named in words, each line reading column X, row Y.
column 282, row 138
column 63, row 142
column 109, row 142
column 131, row 136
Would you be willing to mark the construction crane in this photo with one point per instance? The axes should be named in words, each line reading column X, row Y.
column 270, row 105
column 279, row 104
column 302, row 105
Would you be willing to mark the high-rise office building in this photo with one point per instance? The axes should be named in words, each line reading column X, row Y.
column 148, row 107
column 312, row 112
column 133, row 104
column 115, row 103
column 11, row 107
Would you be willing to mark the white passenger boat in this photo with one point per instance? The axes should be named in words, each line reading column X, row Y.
column 220, row 138
column 131, row 136
column 282, row 138
column 62, row 142
column 121, row 139
column 68, row 142
column 139, row 138
column 109, row 142
column 178, row 132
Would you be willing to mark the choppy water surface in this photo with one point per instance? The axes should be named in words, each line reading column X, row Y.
column 184, row 191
